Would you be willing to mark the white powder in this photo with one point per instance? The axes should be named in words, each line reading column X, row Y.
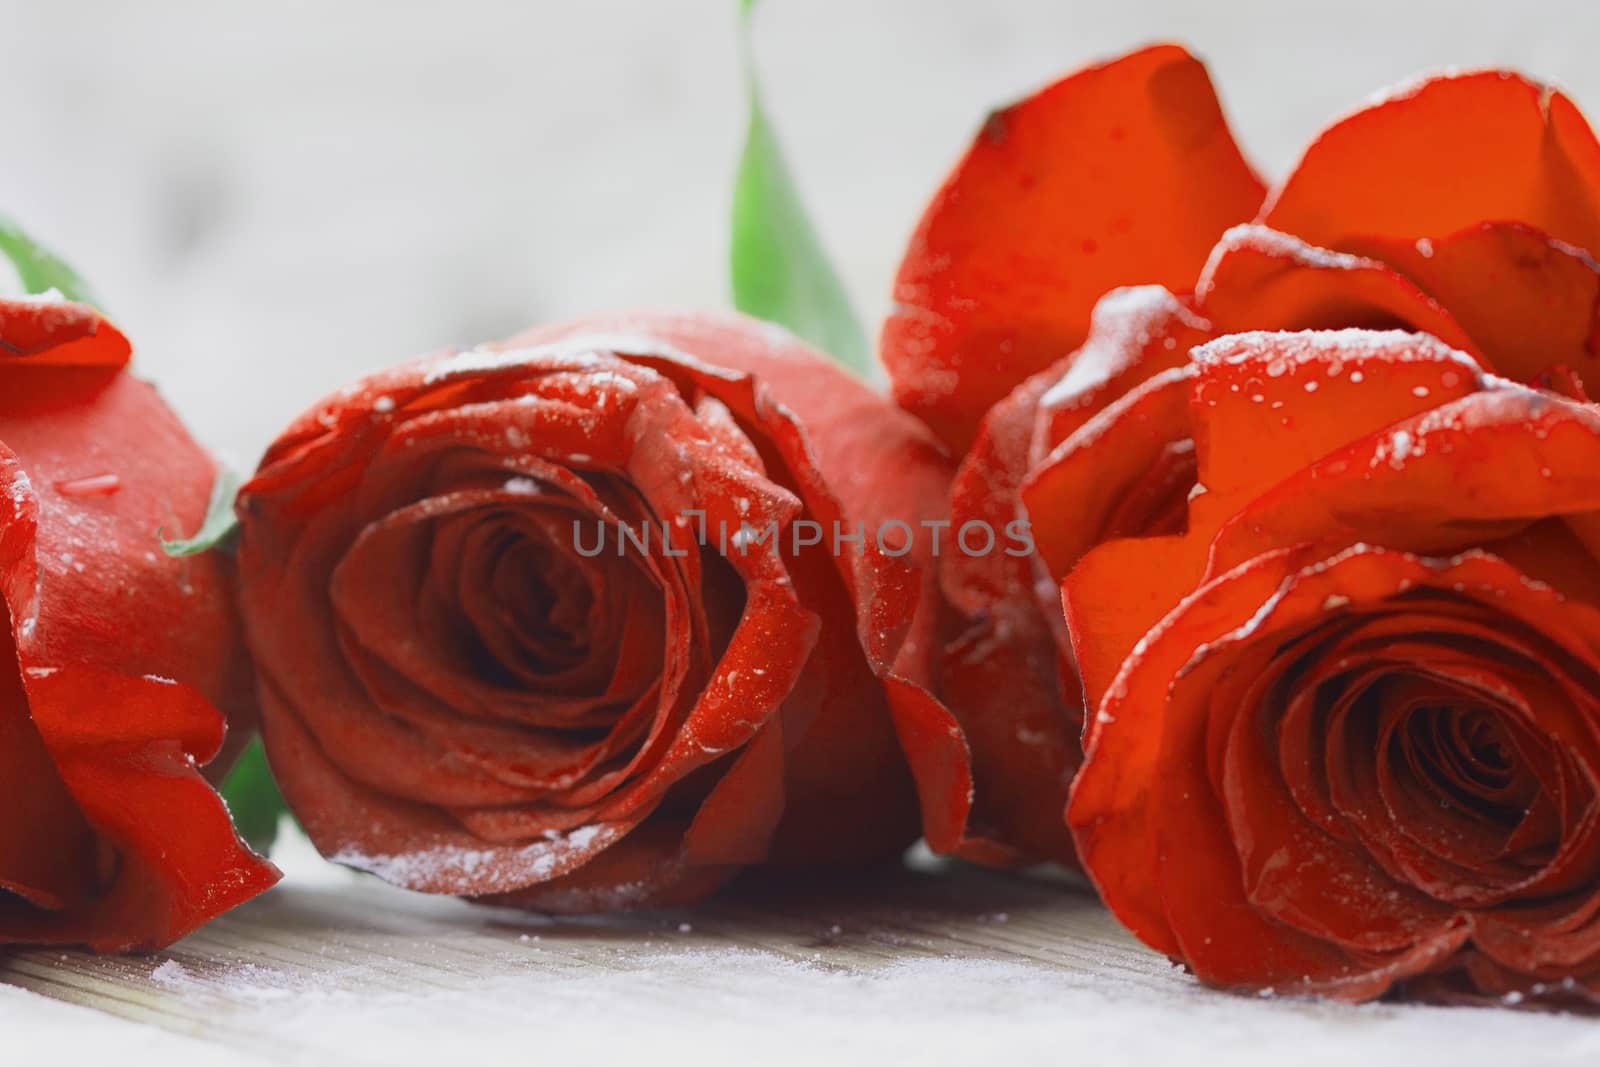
column 1122, row 323
column 170, row 973
column 588, row 353
column 1273, row 243
column 485, row 870
column 648, row 1001
column 1394, row 346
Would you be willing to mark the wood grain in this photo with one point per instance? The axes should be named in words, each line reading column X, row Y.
column 367, row 938
column 953, row 964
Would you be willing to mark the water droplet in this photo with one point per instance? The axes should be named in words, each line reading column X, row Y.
column 93, row 485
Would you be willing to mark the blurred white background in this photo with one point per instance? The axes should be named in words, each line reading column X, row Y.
column 273, row 198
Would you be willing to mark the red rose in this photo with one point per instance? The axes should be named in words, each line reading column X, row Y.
column 1460, row 208
column 114, row 655
column 486, row 671
column 1349, row 733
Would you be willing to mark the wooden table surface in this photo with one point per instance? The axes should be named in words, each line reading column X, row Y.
column 941, row 962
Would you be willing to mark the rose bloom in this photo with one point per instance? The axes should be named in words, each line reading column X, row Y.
column 1099, row 230
column 467, row 689
column 1346, row 729
column 113, row 658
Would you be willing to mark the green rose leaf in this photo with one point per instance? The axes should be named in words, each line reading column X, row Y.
column 39, row 269
column 219, row 524
column 780, row 270
column 253, row 798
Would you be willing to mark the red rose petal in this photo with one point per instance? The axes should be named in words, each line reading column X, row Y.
column 1449, row 153
column 1260, row 279
column 1134, row 335
column 1549, row 551
column 1011, row 722
column 47, row 849
column 127, row 750
column 38, row 332
column 418, row 846
column 1486, row 465
column 1126, row 744
column 1074, row 496
column 1531, row 303
column 1309, row 393
column 172, row 617
column 1121, row 174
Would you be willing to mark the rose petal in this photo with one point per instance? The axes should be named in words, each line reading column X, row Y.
column 47, row 848
column 53, row 333
column 127, row 751
column 1260, row 279
column 1074, row 496
column 1443, row 155
column 1135, row 334
column 1486, row 465
column 1310, row 393
column 1112, row 797
column 1011, row 724
column 1531, row 303
column 1121, row 174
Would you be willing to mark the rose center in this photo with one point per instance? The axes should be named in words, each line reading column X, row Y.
column 540, row 596
column 527, row 606
column 1462, row 757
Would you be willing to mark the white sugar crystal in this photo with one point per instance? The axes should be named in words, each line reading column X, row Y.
column 589, row 353
column 1400, row 444
column 21, row 489
column 1120, row 325
column 1274, row 243
column 171, row 973
column 481, row 361
column 1292, row 349
column 489, row 869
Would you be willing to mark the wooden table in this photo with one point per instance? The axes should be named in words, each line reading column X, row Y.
column 930, row 964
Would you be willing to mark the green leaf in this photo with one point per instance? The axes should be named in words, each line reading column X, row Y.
column 781, row 272
column 40, row 269
column 220, row 521
column 253, row 798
